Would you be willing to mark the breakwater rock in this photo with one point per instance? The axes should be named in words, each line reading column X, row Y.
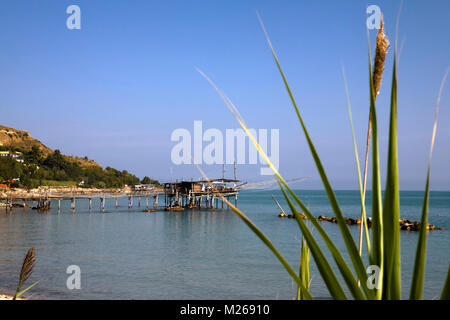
column 404, row 224
column 291, row 216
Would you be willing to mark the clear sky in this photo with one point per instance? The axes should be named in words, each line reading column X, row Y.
column 116, row 89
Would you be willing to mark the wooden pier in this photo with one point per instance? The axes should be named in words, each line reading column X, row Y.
column 44, row 199
column 200, row 194
column 177, row 196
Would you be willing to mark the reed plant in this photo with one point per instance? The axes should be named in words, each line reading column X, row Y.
column 303, row 269
column 25, row 273
column 384, row 245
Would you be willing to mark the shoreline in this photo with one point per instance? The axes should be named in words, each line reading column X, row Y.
column 4, row 296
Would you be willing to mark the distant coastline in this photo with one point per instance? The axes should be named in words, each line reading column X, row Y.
column 27, row 163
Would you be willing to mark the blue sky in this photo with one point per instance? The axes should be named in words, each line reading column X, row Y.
column 116, row 89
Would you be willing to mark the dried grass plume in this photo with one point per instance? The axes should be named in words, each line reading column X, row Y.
column 27, row 269
column 382, row 46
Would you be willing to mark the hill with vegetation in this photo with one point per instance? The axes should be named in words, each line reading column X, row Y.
column 19, row 139
column 39, row 165
column 22, row 141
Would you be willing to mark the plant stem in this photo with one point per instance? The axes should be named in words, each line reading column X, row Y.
column 363, row 218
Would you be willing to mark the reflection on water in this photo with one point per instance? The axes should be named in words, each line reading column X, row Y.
column 195, row 254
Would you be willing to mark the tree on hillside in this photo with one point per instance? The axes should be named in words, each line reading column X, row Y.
column 55, row 160
column 33, row 156
column 10, row 168
column 147, row 180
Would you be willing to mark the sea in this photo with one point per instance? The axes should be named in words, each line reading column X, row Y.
column 124, row 253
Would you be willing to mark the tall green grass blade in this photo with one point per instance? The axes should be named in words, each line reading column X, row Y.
column 324, row 267
column 385, row 249
column 303, row 268
column 346, row 273
column 391, row 208
column 268, row 243
column 346, row 235
column 419, row 265
column 446, row 290
column 265, row 240
column 337, row 256
column 299, row 295
column 25, row 290
column 358, row 168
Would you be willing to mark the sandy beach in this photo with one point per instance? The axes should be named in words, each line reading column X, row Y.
column 8, row 297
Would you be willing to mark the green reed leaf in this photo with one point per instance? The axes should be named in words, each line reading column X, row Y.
column 347, row 274
column 343, row 227
column 26, row 289
column 446, row 290
column 324, row 267
column 391, row 207
column 358, row 168
column 272, row 248
column 419, row 264
column 337, row 256
column 303, row 268
column 264, row 239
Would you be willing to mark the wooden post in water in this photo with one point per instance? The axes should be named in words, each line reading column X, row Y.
column 130, row 202
column 90, row 204
column 117, row 204
column 59, row 205
column 139, row 202
column 147, row 202
column 72, row 203
column 102, row 204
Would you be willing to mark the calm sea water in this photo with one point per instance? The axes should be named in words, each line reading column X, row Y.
column 127, row 254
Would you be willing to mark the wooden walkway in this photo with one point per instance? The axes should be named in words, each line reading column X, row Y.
column 183, row 194
column 69, row 196
column 44, row 198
